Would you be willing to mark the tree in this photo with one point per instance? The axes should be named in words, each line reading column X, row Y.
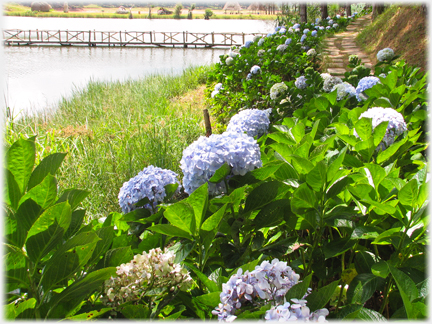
column 190, row 11
column 348, row 9
column 208, row 13
column 377, row 9
column 303, row 12
column 324, row 11
column 177, row 10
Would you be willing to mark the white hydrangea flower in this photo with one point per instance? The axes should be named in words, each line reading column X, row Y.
column 277, row 89
column 255, row 69
column 261, row 41
column 300, row 82
column 296, row 311
column 207, row 154
column 385, row 54
column 150, row 183
column 229, row 61
column 395, row 127
column 344, row 90
column 147, row 271
column 330, row 82
column 254, row 122
column 282, row 48
column 312, row 52
column 261, row 52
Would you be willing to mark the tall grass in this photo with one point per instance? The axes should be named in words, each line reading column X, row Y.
column 111, row 131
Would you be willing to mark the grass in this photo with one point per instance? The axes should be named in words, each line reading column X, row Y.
column 111, row 131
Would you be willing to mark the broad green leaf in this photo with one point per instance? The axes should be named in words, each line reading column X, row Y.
column 73, row 196
column 267, row 170
column 317, row 177
column 44, row 194
column 68, row 259
column 379, row 132
column 12, row 190
column 48, row 230
column 319, row 298
column 299, row 289
column 338, row 246
column 176, row 315
column 257, row 314
column 407, row 290
column 272, row 214
column 338, row 186
column 211, row 299
column 20, row 159
column 213, row 221
column 182, row 216
column 334, row 166
column 199, row 202
column 13, row 310
column 298, row 132
column 282, row 138
column 387, row 236
column 365, row 148
column 262, row 195
column 136, row 215
column 303, row 199
column 170, row 190
column 362, row 288
column 211, row 285
column 349, row 139
column 118, row 256
column 377, row 173
column 89, row 315
column 137, row 312
column 106, row 235
column 49, row 165
column 16, row 267
column 363, row 128
column 408, row 194
column 380, row 269
column 301, row 164
column 170, row 230
column 365, row 233
column 303, row 147
column 221, row 173
column 77, row 218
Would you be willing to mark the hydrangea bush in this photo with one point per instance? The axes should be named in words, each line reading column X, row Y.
column 254, row 122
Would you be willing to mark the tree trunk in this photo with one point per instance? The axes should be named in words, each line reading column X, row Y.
column 377, row 9
column 324, row 11
column 348, row 9
column 303, row 13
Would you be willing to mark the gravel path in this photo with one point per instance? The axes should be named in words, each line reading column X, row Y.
column 339, row 47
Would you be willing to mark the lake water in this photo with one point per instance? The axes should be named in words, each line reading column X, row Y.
column 35, row 78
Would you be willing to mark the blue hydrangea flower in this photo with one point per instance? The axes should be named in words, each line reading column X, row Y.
column 328, row 27
column 300, row 82
column 254, row 122
column 295, row 26
column 149, row 183
column 248, row 43
column 314, row 33
column 203, row 157
column 385, row 54
column 261, row 41
column 344, row 90
column 270, row 34
column 282, row 31
column 317, row 20
column 255, row 69
column 395, row 127
column 218, row 86
column 338, row 16
column 365, row 83
column 321, row 27
column 282, row 48
column 277, row 28
column 330, row 22
column 305, row 31
column 249, row 76
column 277, row 90
column 288, row 41
column 302, row 39
column 335, row 26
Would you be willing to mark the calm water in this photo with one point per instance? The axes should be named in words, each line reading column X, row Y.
column 36, row 78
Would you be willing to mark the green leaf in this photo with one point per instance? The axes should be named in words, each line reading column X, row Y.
column 362, row 288
column 379, row 132
column 319, row 298
column 408, row 194
column 118, row 256
column 16, row 267
column 363, row 128
column 262, row 195
column 170, row 190
column 136, row 311
column 365, row 233
column 210, row 284
column 210, row 299
column 199, row 202
column 13, row 194
column 380, row 269
column 267, row 170
column 317, row 177
column 376, row 172
column 48, row 230
column 298, row 132
column 170, row 230
column 77, row 218
column 272, row 214
column 17, row 227
column 68, row 259
column 212, row 223
column 89, row 315
column 390, row 151
column 299, row 289
column 338, row 246
column 365, row 148
column 334, row 166
column 364, row 260
column 182, row 216
column 221, row 173
column 44, row 194
column 407, row 290
column 73, row 196
column 136, row 215
column 13, row 310
column 303, row 199
column 106, row 235
column 49, row 165
column 20, row 159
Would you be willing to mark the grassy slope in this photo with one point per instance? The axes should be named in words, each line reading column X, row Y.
column 402, row 28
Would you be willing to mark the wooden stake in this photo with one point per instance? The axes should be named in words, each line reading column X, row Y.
column 207, row 122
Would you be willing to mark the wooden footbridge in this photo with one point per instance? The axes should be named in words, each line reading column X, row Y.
column 122, row 38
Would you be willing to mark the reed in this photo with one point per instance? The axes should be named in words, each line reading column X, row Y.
column 112, row 130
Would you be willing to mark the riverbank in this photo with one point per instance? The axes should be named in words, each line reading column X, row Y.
column 137, row 13
column 112, row 130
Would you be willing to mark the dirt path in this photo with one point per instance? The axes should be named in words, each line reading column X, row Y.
column 339, row 47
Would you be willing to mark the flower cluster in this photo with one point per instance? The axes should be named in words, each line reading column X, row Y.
column 255, row 69
column 149, row 183
column 288, row 41
column 216, row 90
column 312, row 52
column 248, row 43
column 385, row 54
column 277, row 89
column 203, row 157
column 330, row 82
column 254, row 122
column 282, row 48
column 229, row 60
column 344, row 90
column 300, row 82
column 365, row 83
column 297, row 310
column 269, row 281
column 395, row 127
column 260, row 53
column 147, row 271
